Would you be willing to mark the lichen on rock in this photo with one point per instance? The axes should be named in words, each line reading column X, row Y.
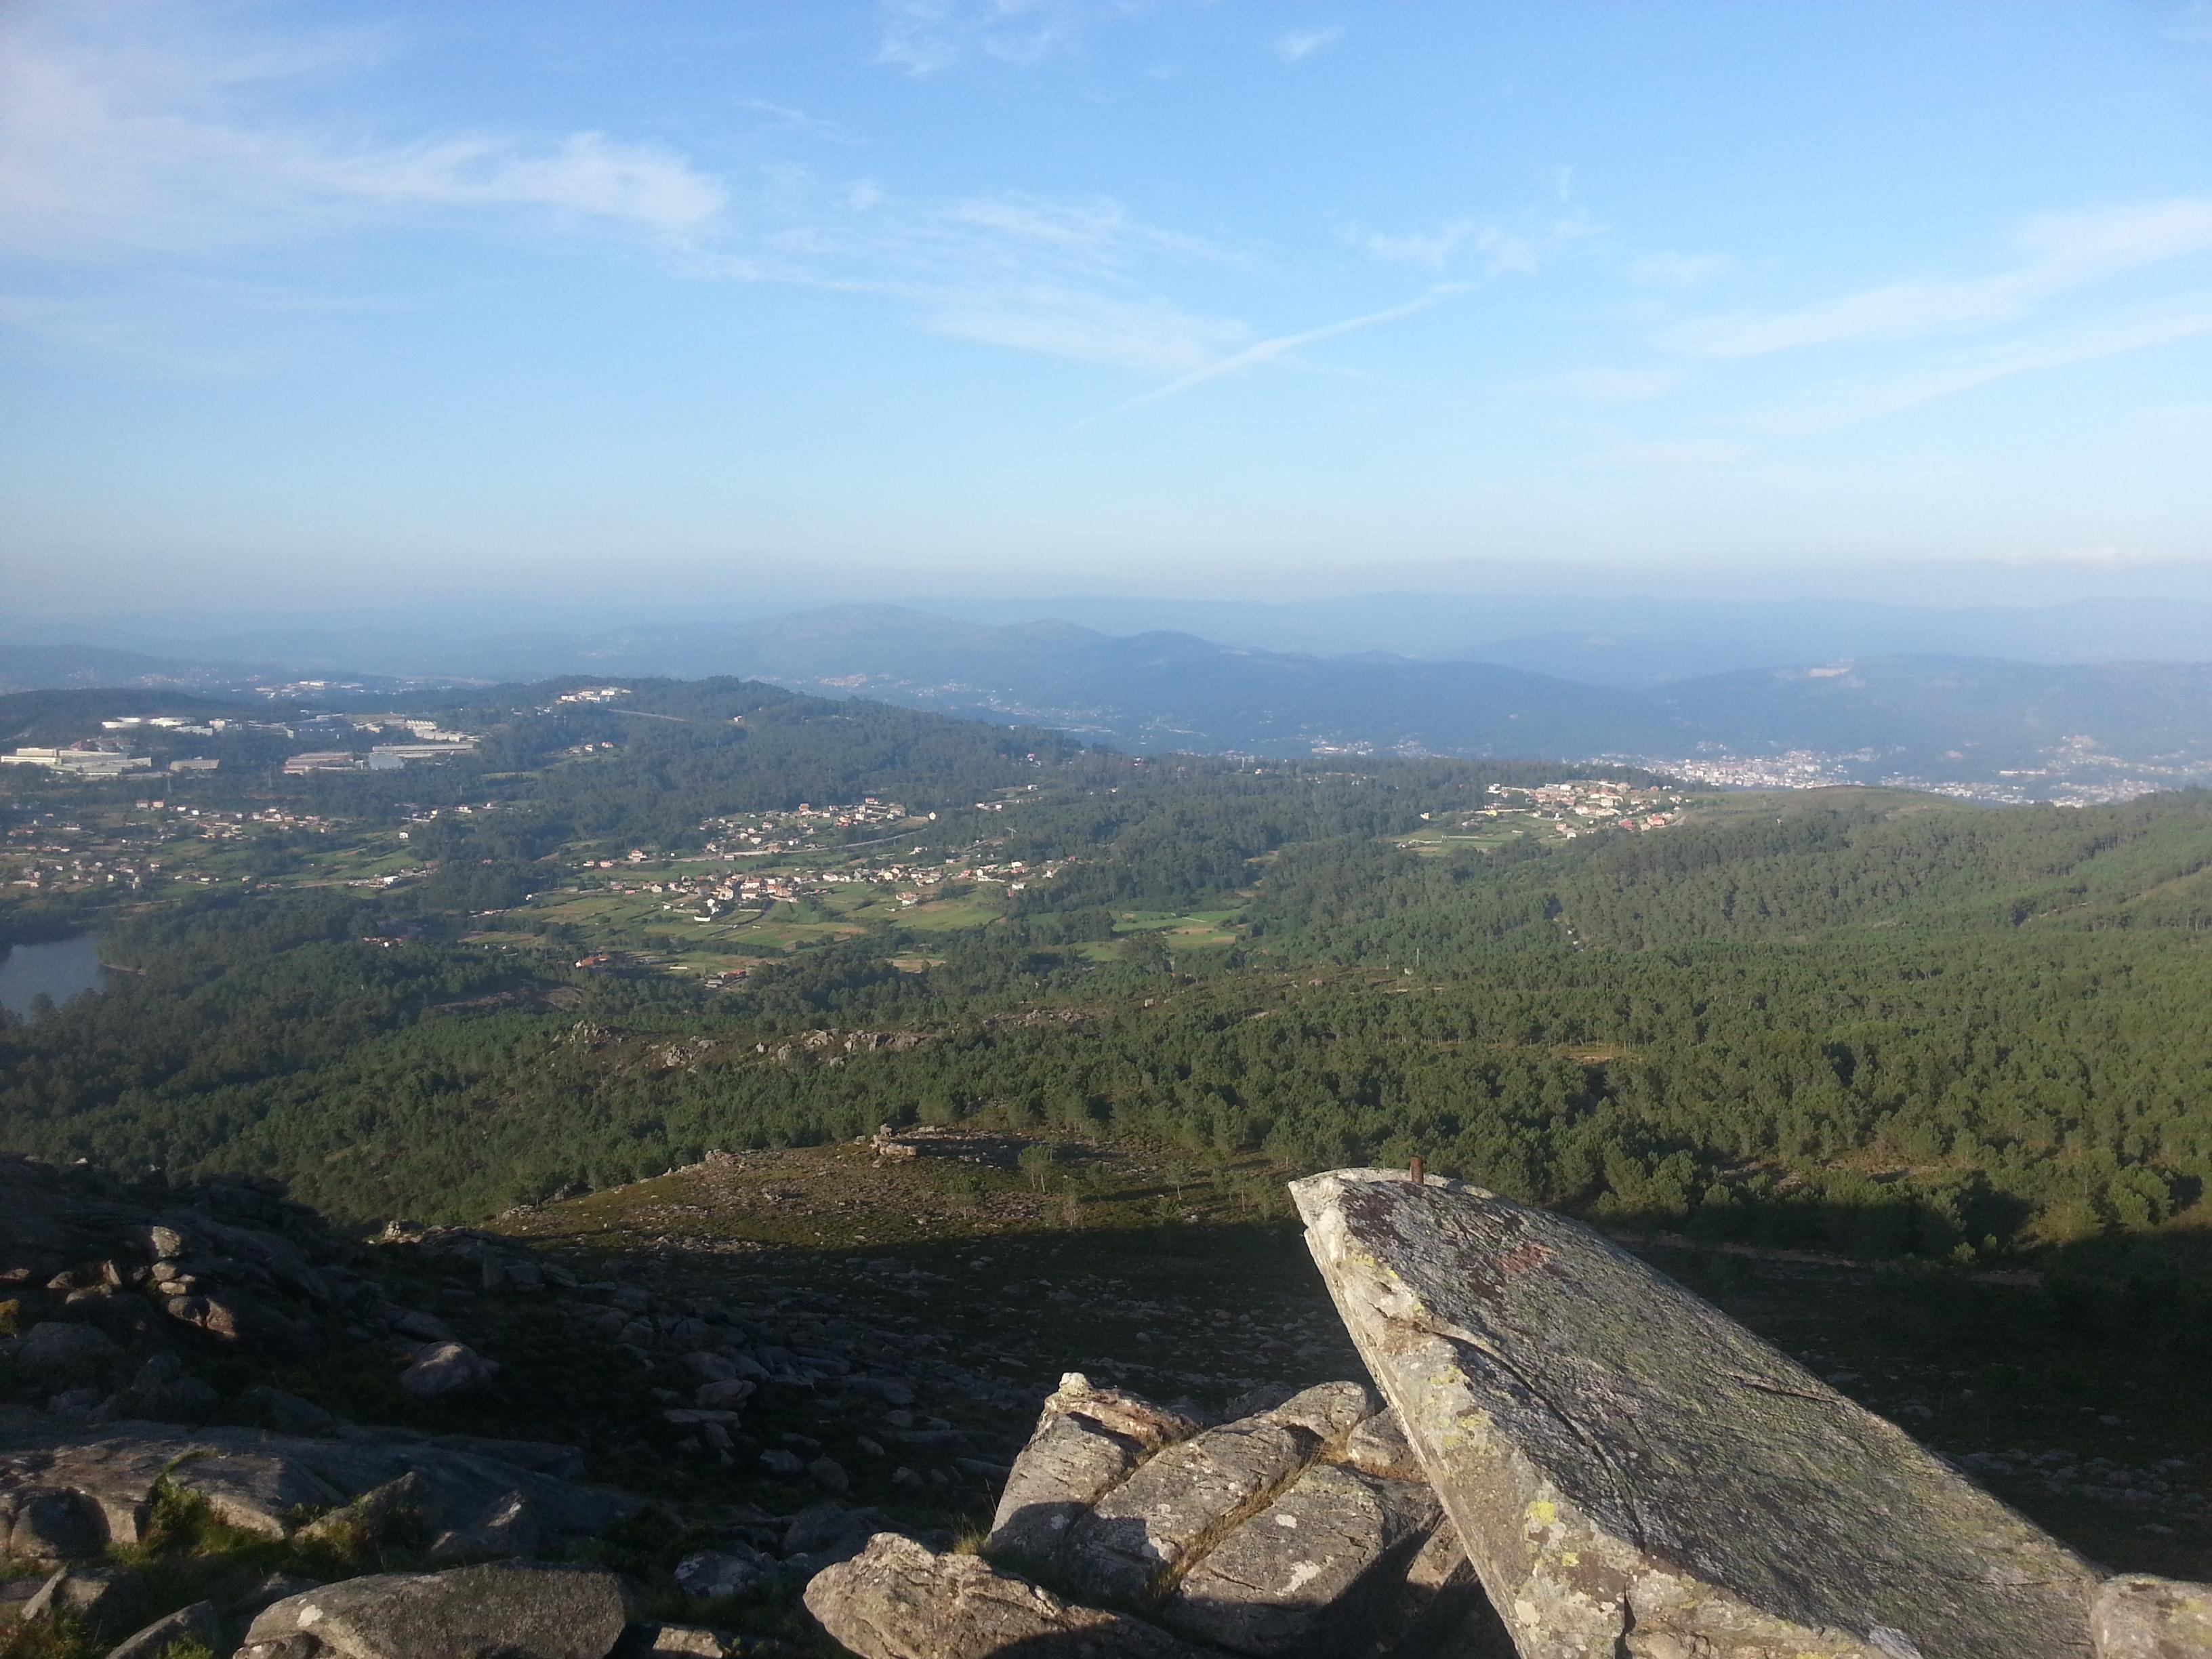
column 1633, row 1473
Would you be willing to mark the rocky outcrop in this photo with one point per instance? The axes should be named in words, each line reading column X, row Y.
column 1633, row 1474
column 1267, row 1536
column 70, row 1494
column 1087, row 1442
column 118, row 1285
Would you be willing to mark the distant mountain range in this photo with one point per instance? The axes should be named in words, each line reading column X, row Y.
column 2033, row 728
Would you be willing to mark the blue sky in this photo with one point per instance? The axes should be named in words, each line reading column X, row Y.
column 1241, row 297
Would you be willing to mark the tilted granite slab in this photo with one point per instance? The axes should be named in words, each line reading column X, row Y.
column 1636, row 1474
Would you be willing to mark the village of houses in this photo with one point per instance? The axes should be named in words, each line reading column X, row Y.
column 1582, row 805
column 726, row 896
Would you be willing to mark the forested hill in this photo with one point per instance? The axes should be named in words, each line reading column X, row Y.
column 1766, row 867
column 1871, row 1021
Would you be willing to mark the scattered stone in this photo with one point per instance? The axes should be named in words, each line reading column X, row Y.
column 444, row 1368
column 830, row 1474
column 716, row 1574
column 776, row 1460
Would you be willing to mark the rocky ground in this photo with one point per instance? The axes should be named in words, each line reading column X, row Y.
column 716, row 1382
column 1166, row 1284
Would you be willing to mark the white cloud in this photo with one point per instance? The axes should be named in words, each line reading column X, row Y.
column 1296, row 45
column 2064, row 252
column 927, row 37
column 585, row 174
column 1075, row 279
column 1147, row 334
column 115, row 143
column 1496, row 252
column 797, row 120
column 1679, row 270
column 1098, row 231
column 1868, row 397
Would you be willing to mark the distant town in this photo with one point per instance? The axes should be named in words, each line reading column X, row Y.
column 351, row 744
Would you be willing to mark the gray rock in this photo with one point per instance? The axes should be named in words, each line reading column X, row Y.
column 235, row 1317
column 1275, row 1584
column 425, row 1328
column 673, row 1642
column 1086, row 1443
column 444, row 1368
column 1142, row 1532
column 899, row 1600
column 102, row 1600
column 830, row 1474
column 725, row 1395
column 1633, row 1473
column 2139, row 1617
column 831, row 1529
column 378, row 1515
column 1069, row 1463
column 1378, row 1447
column 162, row 1392
column 1327, row 1411
column 54, row 1524
column 890, row 1391
column 261, row 1482
column 509, row 1527
column 715, row 1574
column 512, row 1274
column 1436, row 1610
column 287, row 1413
column 201, row 1622
column 57, row 1353
column 504, row 1611
column 776, row 1460
column 271, row 1590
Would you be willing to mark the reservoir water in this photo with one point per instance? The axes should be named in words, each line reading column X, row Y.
column 62, row 969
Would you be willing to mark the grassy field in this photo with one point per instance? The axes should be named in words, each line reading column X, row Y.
column 1194, row 927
